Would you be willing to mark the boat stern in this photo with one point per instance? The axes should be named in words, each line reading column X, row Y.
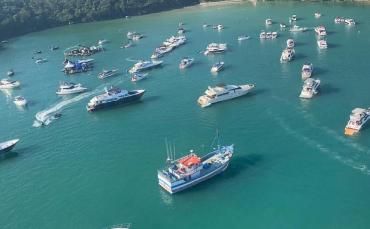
column 350, row 131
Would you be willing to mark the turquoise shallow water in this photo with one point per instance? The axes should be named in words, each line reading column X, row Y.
column 293, row 167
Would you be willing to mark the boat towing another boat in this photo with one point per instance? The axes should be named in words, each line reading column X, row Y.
column 310, row 88
column 67, row 88
column 357, row 120
column 268, row 21
column 114, row 96
column 8, row 145
column 318, row 15
column 223, row 92
column 243, row 37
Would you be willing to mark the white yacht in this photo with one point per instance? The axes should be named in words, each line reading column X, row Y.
column 322, row 44
column 137, row 77
column 320, row 30
column 307, row 70
column 290, row 43
column 145, row 65
column 9, row 84
column 310, row 88
column 186, row 62
column 217, row 67
column 243, row 37
column 317, row 15
column 223, row 92
column 297, row 28
column 268, row 21
column 349, row 21
column 287, row 55
column 215, row 48
column 20, row 101
column 70, row 88
column 357, row 119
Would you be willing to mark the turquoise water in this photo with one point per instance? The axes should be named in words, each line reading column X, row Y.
column 293, row 167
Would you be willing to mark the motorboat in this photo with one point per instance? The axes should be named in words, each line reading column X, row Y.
column 20, row 101
column 320, row 30
column 222, row 92
column 217, row 67
column 10, row 72
column 41, row 60
column 349, row 21
column 290, row 43
column 294, row 17
column 310, row 88
column 130, row 35
column 274, row 35
column 263, row 35
column 186, row 62
column 137, row 37
column 268, row 21
column 128, row 45
column 220, row 27
column 67, row 88
column 138, row 76
column 307, row 70
column 282, row 25
column 53, row 48
column 357, row 119
column 317, row 15
column 205, row 25
column 121, row 226
column 243, row 37
column 297, row 28
column 187, row 171
column 37, row 52
column 8, row 145
column 107, row 73
column 102, row 42
column 339, row 20
column 215, row 48
column 145, row 65
column 322, row 44
column 9, row 84
column 114, row 96
column 287, row 55
column 72, row 67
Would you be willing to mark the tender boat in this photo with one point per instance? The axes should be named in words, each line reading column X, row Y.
column 186, row 62
column 41, row 60
column 294, row 17
column 220, row 27
column 297, row 28
column 357, row 120
column 145, row 65
column 137, row 37
column 137, row 77
column 339, row 20
column 121, row 226
column 282, row 25
column 263, row 35
column 181, row 31
column 53, row 48
column 8, row 145
column 243, row 37
column 187, row 171
column 10, row 72
column 287, row 55
column 128, row 45
column 217, row 67
column 268, row 21
column 20, row 101
column 214, row 48
column 322, row 44
column 67, row 88
column 310, row 88
column 307, row 70
column 107, row 73
column 114, row 96
column 102, row 42
column 81, row 50
column 349, row 21
column 72, row 67
column 320, row 30
column 131, row 35
column 290, row 43
column 317, row 15
column 205, row 25
column 274, row 35
column 9, row 84
column 223, row 92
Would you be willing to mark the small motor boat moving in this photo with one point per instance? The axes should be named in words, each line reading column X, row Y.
column 20, row 101
column 8, row 145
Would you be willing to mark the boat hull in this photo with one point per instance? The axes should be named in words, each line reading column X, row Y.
column 11, row 145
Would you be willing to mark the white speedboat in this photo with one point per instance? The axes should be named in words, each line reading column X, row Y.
column 268, row 21
column 263, row 35
column 349, row 21
column 357, row 119
column 102, row 42
column 186, row 62
column 290, row 43
column 317, row 15
column 322, row 44
column 307, row 70
column 121, row 226
column 9, row 84
column 8, row 145
column 145, row 65
column 10, row 72
column 310, row 88
column 282, row 25
column 205, row 25
column 128, row 45
column 243, row 37
column 137, row 37
column 339, row 20
column 274, row 35
column 320, row 30
column 137, row 77
column 41, row 60
column 181, row 31
column 107, row 73
column 20, row 101
column 215, row 48
column 217, row 67
column 294, row 17
column 297, row 28
column 220, row 27
column 287, row 55
column 70, row 88
column 223, row 92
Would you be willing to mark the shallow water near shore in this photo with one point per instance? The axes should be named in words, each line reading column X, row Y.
column 292, row 168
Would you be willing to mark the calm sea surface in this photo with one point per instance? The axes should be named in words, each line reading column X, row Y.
column 293, row 167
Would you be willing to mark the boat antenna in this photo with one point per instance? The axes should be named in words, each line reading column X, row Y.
column 167, row 151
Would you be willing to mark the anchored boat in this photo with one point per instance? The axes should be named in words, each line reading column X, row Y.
column 8, row 145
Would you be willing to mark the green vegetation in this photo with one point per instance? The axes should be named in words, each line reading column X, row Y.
column 22, row 16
